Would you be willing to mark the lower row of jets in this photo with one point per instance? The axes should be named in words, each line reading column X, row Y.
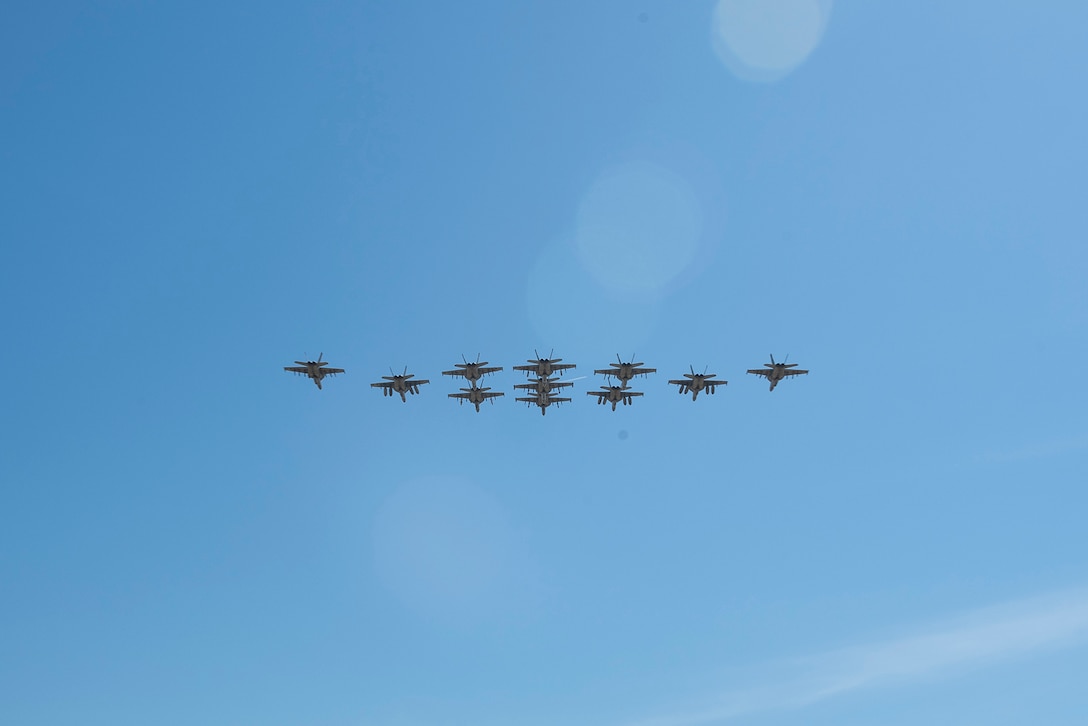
column 544, row 384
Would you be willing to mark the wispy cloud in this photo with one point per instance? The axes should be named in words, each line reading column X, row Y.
column 974, row 640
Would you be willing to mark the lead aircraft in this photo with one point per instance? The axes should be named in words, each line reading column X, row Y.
column 472, row 372
column 545, row 367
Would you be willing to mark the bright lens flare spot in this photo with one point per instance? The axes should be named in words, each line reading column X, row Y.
column 559, row 292
column 762, row 40
column 443, row 546
column 639, row 227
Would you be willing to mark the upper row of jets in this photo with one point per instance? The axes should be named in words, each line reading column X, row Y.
column 543, row 385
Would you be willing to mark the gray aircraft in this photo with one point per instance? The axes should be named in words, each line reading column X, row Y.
column 614, row 394
column 472, row 372
column 545, row 367
column 544, row 400
column 542, row 385
column 314, row 369
column 775, row 372
column 624, row 372
column 696, row 382
column 475, row 396
column 401, row 384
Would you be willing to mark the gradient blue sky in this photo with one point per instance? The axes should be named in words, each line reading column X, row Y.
column 892, row 193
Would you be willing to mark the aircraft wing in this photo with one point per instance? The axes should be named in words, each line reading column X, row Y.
column 765, row 372
column 795, row 373
column 296, row 369
column 632, row 393
column 458, row 395
column 493, row 394
column 715, row 383
column 527, row 400
column 559, row 400
column 642, row 371
column 458, row 372
column 598, row 394
column 411, row 382
column 563, row 366
column 382, row 384
column 684, row 383
column 561, row 384
column 526, row 368
column 332, row 371
column 491, row 369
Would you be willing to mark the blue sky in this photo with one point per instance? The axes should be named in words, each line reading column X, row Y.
column 890, row 194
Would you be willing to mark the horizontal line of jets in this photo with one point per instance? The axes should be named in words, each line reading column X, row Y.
column 543, row 381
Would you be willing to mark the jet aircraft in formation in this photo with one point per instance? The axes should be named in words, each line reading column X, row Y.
column 475, row 395
column 775, row 372
column 624, row 372
column 472, row 372
column 697, row 382
column 314, row 369
column 614, row 395
column 544, row 385
column 401, row 384
column 545, row 367
column 544, row 399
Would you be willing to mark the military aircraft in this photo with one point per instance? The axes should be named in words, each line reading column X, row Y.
column 696, row 382
column 614, row 394
column 776, row 372
column 544, row 400
column 399, row 384
column 545, row 367
column 472, row 371
column 543, row 385
column 475, row 396
column 624, row 372
column 314, row 369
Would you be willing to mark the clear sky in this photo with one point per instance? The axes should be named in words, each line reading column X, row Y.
column 893, row 194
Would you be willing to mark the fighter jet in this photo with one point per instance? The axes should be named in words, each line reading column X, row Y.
column 615, row 394
column 314, row 369
column 475, row 396
column 472, row 371
column 399, row 384
column 624, row 372
column 543, row 385
column 696, row 382
column 544, row 400
column 545, row 367
column 777, row 371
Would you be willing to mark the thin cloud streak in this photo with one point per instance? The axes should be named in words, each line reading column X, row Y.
column 975, row 640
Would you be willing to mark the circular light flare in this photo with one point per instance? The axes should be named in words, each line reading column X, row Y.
column 639, row 227
column 763, row 40
column 442, row 545
column 567, row 307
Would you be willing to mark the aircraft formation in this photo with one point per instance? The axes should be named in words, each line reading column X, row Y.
column 543, row 384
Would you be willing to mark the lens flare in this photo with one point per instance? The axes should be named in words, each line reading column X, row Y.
column 763, row 40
